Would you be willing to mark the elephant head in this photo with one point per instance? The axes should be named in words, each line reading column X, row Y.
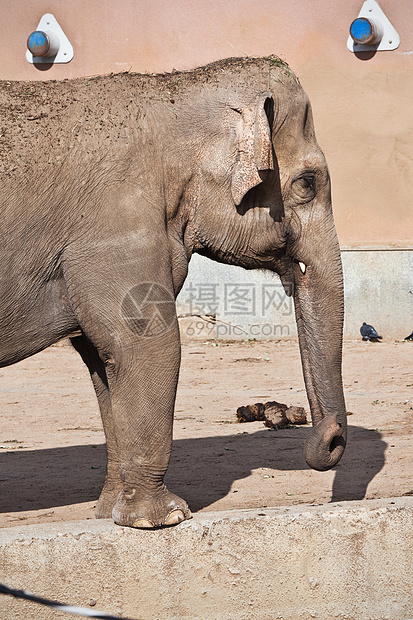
column 261, row 198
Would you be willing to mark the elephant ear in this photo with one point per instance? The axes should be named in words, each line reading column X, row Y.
column 254, row 147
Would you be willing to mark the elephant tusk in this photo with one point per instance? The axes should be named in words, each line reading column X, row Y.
column 303, row 267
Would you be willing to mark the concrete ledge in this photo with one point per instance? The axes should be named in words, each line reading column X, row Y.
column 347, row 560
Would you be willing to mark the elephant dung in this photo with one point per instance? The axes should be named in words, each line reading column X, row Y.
column 278, row 415
column 273, row 414
column 251, row 413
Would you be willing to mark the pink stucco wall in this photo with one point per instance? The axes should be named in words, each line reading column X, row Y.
column 363, row 107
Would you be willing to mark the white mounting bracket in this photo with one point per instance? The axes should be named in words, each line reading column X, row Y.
column 49, row 43
column 372, row 31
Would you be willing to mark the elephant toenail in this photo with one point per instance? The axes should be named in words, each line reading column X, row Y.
column 143, row 523
column 175, row 517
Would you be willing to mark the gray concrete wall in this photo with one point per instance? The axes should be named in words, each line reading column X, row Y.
column 348, row 561
column 378, row 290
column 378, row 287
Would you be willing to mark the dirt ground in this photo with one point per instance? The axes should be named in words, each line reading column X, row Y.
column 52, row 453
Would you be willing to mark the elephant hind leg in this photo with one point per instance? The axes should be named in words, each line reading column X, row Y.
column 113, row 483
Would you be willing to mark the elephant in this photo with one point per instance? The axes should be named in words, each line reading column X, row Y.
column 109, row 184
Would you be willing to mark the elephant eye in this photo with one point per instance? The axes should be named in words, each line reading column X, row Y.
column 304, row 187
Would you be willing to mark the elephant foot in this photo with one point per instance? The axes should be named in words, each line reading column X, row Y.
column 174, row 517
column 107, row 500
column 162, row 510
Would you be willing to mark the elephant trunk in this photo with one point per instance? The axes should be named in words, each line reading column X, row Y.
column 319, row 307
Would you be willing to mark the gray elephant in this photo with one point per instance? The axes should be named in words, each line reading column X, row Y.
column 108, row 186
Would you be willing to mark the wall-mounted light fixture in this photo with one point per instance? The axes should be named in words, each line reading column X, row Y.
column 48, row 43
column 372, row 31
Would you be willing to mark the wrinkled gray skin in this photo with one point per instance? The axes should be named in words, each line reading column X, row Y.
column 116, row 182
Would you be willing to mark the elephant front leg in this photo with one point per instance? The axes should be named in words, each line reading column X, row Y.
column 124, row 302
column 142, row 385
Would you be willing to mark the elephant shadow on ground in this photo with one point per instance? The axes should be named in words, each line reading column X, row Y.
column 202, row 470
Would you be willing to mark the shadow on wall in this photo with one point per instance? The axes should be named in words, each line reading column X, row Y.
column 365, row 55
column 202, row 470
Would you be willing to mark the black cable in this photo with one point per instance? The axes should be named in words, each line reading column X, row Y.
column 76, row 611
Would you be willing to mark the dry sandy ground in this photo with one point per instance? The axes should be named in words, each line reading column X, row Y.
column 52, row 453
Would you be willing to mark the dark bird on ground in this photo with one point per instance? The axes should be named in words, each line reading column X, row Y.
column 369, row 333
column 410, row 337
